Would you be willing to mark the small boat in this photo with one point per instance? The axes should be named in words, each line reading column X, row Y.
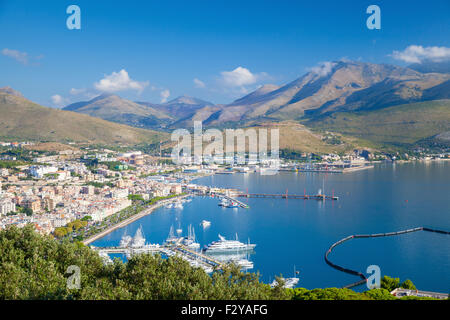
column 205, row 223
column 224, row 203
column 288, row 282
column 178, row 205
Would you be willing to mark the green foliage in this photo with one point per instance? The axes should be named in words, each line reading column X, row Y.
column 407, row 284
column 135, row 197
column 389, row 283
column 33, row 267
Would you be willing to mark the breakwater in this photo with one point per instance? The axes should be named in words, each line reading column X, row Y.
column 376, row 235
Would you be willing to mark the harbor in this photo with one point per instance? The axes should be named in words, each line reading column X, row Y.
column 210, row 258
column 298, row 232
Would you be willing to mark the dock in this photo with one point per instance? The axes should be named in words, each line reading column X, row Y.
column 175, row 249
column 289, row 196
column 240, row 203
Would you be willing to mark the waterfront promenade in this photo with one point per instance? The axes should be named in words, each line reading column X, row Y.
column 132, row 219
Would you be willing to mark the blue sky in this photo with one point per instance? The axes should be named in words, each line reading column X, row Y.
column 153, row 50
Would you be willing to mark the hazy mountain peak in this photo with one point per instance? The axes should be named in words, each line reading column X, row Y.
column 11, row 91
column 184, row 99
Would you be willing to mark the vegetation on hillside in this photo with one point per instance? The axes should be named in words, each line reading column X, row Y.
column 394, row 126
column 35, row 267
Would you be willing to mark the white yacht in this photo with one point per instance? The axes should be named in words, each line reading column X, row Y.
column 178, row 205
column 244, row 264
column 224, row 245
column 288, row 283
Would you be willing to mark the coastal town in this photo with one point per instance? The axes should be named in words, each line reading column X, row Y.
column 59, row 192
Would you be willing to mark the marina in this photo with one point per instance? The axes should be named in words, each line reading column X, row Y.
column 184, row 247
column 289, row 233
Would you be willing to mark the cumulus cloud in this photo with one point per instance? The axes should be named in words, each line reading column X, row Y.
column 164, row 95
column 238, row 77
column 323, row 68
column 21, row 57
column 119, row 81
column 418, row 54
column 59, row 100
column 198, row 83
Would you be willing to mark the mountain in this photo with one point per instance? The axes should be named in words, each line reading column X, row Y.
column 184, row 110
column 335, row 87
column 11, row 91
column 397, row 125
column 114, row 108
column 431, row 66
column 26, row 120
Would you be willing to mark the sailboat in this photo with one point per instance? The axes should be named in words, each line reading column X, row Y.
column 189, row 241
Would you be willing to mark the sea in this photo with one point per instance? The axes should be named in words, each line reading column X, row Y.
column 293, row 235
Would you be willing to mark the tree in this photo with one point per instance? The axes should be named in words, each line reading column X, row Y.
column 389, row 283
column 28, row 211
column 407, row 284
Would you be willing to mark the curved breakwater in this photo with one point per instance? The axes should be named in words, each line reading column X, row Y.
column 376, row 235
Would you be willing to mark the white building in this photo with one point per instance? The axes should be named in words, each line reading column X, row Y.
column 6, row 206
column 40, row 171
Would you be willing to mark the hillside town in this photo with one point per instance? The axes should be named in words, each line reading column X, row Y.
column 53, row 189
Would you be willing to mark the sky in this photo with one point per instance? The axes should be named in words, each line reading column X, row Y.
column 214, row 50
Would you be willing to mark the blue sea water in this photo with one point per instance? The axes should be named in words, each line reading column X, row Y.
column 297, row 233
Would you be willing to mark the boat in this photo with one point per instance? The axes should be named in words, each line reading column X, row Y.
column 125, row 241
column 105, row 257
column 171, row 237
column 169, row 206
column 232, row 204
column 178, row 205
column 224, row 245
column 268, row 170
column 205, row 223
column 189, row 241
column 138, row 239
column 288, row 282
column 224, row 203
column 244, row 264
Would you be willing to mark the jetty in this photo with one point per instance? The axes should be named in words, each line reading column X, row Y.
column 375, row 235
column 286, row 195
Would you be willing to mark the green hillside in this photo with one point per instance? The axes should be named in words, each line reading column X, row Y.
column 22, row 119
column 398, row 125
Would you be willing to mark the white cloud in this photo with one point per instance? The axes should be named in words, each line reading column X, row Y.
column 164, row 95
column 238, row 77
column 198, row 83
column 75, row 92
column 323, row 69
column 119, row 81
column 21, row 57
column 418, row 54
column 59, row 101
